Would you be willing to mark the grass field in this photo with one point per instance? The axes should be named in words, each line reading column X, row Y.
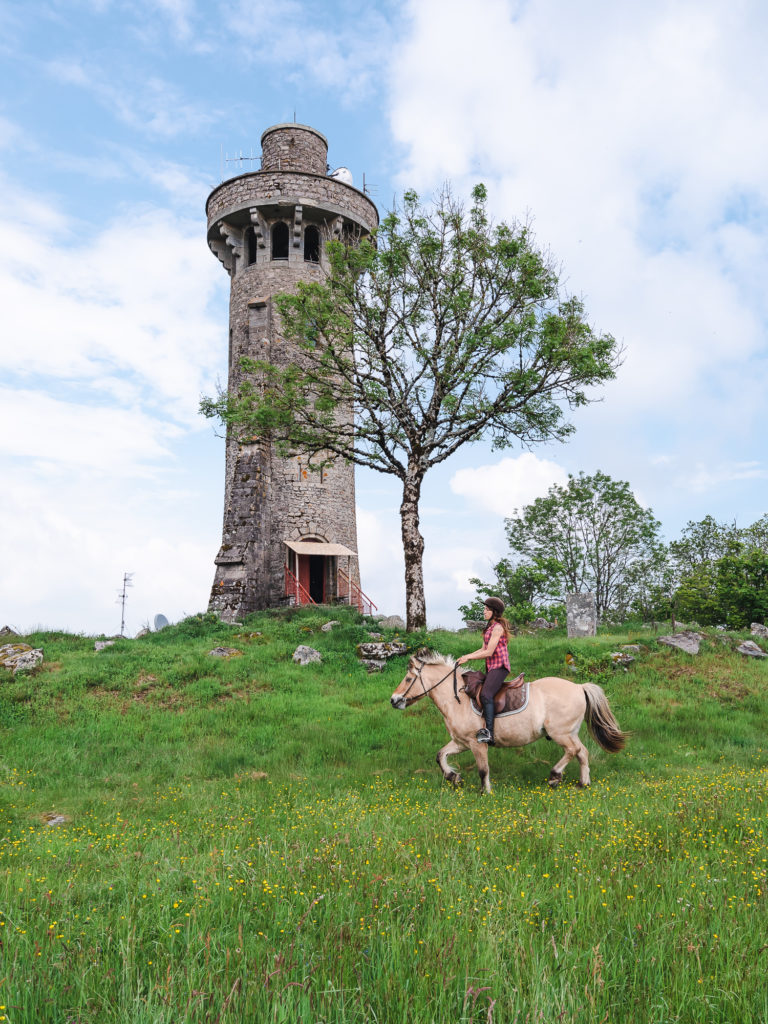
column 248, row 840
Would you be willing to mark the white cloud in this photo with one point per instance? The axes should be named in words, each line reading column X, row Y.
column 151, row 105
column 505, row 486
column 129, row 300
column 68, row 537
column 638, row 137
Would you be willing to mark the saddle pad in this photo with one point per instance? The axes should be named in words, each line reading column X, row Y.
column 517, row 701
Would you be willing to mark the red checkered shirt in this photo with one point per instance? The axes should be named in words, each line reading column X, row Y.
column 500, row 657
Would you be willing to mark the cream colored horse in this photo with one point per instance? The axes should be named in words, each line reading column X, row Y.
column 555, row 709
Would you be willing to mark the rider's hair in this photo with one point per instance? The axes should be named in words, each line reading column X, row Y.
column 498, row 617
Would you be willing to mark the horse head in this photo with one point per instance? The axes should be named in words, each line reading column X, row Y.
column 409, row 689
column 419, row 679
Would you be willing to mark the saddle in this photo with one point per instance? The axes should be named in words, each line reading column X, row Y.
column 509, row 698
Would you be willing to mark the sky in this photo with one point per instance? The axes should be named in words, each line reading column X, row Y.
column 634, row 136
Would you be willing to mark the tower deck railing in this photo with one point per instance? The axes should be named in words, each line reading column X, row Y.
column 296, row 590
column 347, row 587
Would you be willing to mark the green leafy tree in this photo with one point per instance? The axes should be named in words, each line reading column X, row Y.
column 720, row 571
column 522, row 589
column 440, row 331
column 589, row 536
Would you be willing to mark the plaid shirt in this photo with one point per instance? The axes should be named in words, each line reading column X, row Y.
column 500, row 657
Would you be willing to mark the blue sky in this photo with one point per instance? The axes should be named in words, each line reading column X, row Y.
column 635, row 136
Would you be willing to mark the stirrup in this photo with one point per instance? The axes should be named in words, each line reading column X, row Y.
column 484, row 736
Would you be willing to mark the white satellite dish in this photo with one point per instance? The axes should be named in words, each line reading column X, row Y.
column 342, row 174
column 161, row 622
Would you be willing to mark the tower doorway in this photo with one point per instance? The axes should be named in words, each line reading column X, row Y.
column 312, row 575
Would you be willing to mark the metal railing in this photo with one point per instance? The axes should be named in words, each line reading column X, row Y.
column 296, row 590
column 347, row 588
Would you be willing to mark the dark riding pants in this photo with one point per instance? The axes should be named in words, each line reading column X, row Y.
column 492, row 684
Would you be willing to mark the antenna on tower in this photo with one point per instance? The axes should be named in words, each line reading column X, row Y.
column 368, row 189
column 239, row 158
column 122, row 597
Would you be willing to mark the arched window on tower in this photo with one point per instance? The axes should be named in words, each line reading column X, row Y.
column 250, row 246
column 280, row 241
column 312, row 244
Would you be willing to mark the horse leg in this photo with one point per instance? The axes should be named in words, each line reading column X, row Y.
column 480, row 750
column 450, row 774
column 572, row 747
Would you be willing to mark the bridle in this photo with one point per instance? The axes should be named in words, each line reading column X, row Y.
column 426, row 689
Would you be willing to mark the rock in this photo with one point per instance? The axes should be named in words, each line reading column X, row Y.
column 20, row 657
column 687, row 641
column 622, row 658
column 581, row 611
column 27, row 661
column 53, row 820
column 541, row 623
column 750, row 650
column 225, row 652
column 372, row 665
column 391, row 622
column 7, row 631
column 101, row 644
column 328, row 626
column 143, row 632
column 756, row 629
column 380, row 651
column 635, row 648
column 474, row 624
column 304, row 655
column 376, row 636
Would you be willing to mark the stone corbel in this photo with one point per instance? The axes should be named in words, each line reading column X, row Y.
column 222, row 253
column 298, row 213
column 259, row 227
column 233, row 238
column 335, row 227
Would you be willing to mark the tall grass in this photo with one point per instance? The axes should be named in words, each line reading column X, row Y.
column 252, row 840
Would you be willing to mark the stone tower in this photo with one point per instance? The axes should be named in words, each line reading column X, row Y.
column 290, row 534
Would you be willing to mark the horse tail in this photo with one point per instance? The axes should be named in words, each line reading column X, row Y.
column 602, row 725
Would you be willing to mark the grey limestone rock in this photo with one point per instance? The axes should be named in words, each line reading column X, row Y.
column 758, row 629
column 542, row 623
column 101, row 644
column 304, row 655
column 391, row 622
column 750, row 650
column 225, row 652
column 581, row 611
column 687, row 641
column 373, row 665
column 474, row 624
column 20, row 657
column 7, row 631
column 380, row 651
column 328, row 626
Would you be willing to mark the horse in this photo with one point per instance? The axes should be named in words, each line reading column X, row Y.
column 555, row 709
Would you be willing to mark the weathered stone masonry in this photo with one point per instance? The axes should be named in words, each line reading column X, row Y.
column 264, row 228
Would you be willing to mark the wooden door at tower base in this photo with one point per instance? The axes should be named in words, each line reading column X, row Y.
column 312, row 578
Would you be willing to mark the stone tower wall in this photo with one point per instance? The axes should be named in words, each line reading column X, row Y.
column 294, row 147
column 268, row 499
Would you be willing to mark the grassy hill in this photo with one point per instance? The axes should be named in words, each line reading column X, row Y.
column 248, row 839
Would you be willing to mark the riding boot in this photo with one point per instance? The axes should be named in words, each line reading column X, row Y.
column 489, row 713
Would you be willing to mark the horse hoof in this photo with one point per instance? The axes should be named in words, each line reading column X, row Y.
column 582, row 785
column 455, row 780
column 555, row 778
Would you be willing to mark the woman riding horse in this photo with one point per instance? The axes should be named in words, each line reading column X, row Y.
column 497, row 668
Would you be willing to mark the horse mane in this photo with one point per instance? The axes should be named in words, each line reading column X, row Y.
column 435, row 658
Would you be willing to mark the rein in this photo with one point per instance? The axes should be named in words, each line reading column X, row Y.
column 434, row 686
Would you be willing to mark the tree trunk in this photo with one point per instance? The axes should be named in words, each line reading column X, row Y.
column 413, row 549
